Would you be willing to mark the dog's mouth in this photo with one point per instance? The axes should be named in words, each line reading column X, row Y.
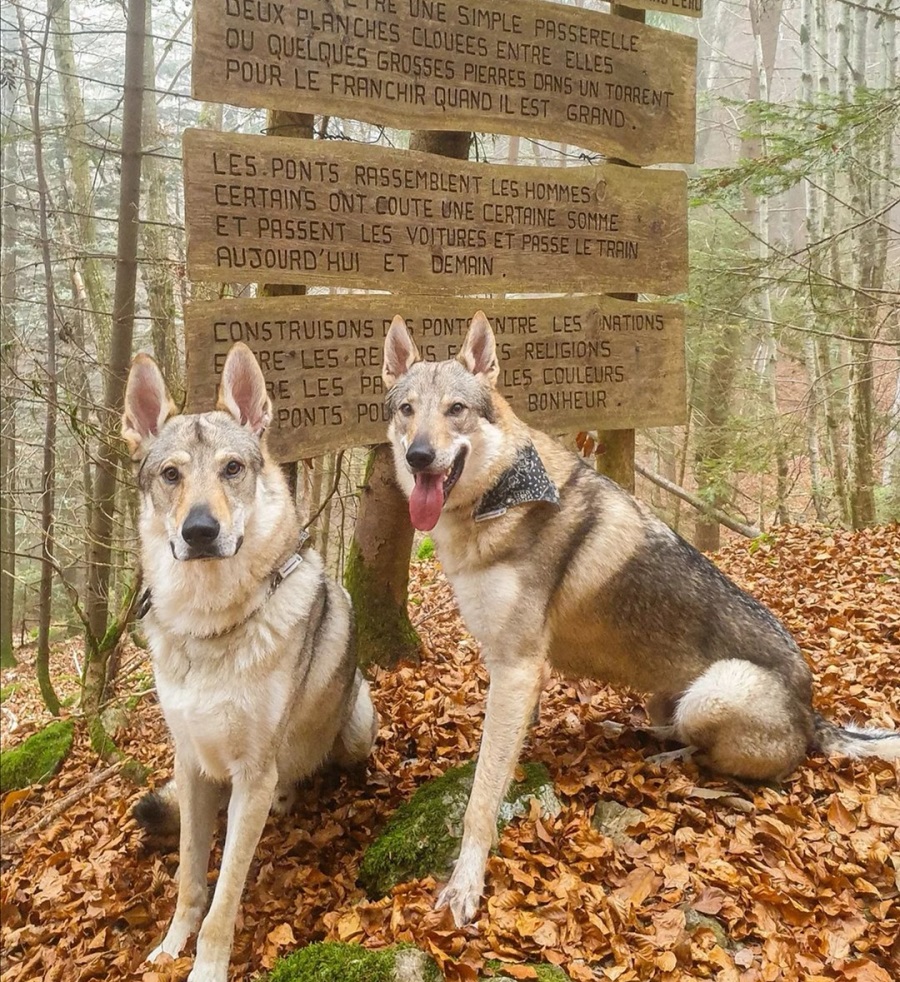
column 430, row 493
column 191, row 553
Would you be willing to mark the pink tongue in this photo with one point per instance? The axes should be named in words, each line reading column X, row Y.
column 426, row 501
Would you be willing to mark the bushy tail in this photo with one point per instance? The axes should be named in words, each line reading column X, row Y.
column 856, row 741
column 157, row 811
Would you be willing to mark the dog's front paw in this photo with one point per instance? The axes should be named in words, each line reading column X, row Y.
column 209, row 972
column 463, row 893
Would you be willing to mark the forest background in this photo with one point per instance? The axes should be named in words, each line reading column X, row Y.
column 793, row 314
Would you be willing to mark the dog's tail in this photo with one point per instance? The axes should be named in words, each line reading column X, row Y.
column 157, row 811
column 856, row 741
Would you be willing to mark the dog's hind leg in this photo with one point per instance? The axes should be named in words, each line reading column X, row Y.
column 251, row 798
column 198, row 804
column 513, row 694
column 356, row 737
column 745, row 720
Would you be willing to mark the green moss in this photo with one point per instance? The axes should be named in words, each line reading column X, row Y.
column 334, row 961
column 7, row 690
column 38, row 758
column 422, row 837
column 384, row 632
column 426, row 548
column 544, row 972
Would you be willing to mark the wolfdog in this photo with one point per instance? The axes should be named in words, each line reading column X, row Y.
column 554, row 564
column 252, row 646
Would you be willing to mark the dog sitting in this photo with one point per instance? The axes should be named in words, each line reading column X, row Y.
column 554, row 563
column 252, row 645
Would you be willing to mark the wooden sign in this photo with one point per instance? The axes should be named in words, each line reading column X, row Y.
column 566, row 362
column 509, row 66
column 322, row 213
column 690, row 8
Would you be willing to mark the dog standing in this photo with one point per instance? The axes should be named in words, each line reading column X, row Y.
column 551, row 562
column 252, row 645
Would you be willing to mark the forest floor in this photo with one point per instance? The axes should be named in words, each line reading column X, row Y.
column 801, row 881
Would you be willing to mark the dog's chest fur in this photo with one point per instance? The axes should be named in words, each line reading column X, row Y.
column 226, row 699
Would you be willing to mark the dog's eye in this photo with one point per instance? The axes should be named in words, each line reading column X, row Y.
column 170, row 475
column 457, row 409
column 233, row 468
column 406, row 409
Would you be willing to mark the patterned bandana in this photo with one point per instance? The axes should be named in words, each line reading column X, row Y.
column 525, row 482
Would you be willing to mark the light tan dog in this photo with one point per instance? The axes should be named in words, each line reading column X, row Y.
column 553, row 563
column 252, row 645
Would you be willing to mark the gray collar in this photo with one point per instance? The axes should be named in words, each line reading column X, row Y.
column 278, row 576
column 524, row 483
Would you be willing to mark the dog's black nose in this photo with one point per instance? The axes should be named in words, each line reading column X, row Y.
column 200, row 528
column 419, row 456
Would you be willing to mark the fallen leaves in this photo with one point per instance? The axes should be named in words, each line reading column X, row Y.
column 706, row 878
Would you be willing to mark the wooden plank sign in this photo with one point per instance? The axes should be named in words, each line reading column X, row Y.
column 689, row 8
column 565, row 362
column 525, row 67
column 321, row 213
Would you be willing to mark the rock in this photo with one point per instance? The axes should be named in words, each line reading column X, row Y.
column 337, row 961
column 543, row 972
column 422, row 837
column 38, row 758
column 615, row 820
column 695, row 921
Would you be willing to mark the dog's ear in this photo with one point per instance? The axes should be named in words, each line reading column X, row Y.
column 400, row 352
column 479, row 352
column 147, row 406
column 242, row 391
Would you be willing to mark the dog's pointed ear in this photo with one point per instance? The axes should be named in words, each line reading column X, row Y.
column 147, row 406
column 242, row 391
column 400, row 352
column 479, row 351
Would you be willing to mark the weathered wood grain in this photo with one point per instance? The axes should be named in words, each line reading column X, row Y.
column 523, row 67
column 566, row 362
column 348, row 215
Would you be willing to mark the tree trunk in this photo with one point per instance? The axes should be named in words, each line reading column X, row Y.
column 100, row 642
column 9, row 356
column 712, row 411
column 863, row 318
column 156, row 271
column 33, row 88
column 377, row 569
column 78, row 171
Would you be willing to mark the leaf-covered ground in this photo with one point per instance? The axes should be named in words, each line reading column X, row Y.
column 718, row 880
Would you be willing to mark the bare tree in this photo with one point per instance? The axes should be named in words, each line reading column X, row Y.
column 102, row 637
column 9, row 350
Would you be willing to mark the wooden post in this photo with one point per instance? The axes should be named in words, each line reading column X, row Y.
column 280, row 122
column 615, row 448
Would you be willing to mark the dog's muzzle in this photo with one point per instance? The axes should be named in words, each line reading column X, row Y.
column 201, row 537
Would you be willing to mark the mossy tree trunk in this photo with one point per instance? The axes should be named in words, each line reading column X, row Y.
column 377, row 570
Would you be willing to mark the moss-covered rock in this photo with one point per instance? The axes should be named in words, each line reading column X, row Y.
column 38, row 758
column 543, row 972
column 616, row 820
column 335, row 961
column 422, row 837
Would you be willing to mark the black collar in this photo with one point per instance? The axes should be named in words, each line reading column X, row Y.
column 525, row 482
